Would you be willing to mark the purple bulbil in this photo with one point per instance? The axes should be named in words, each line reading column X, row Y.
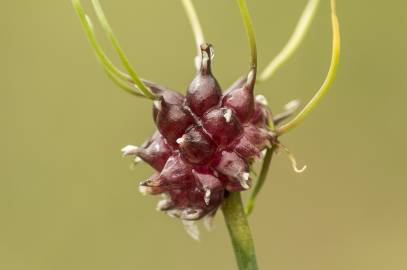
column 204, row 144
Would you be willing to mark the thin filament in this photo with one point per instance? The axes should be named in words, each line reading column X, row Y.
column 292, row 159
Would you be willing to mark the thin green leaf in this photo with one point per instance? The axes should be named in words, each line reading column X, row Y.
column 106, row 26
column 294, row 42
column 312, row 104
column 88, row 27
column 195, row 24
column 244, row 11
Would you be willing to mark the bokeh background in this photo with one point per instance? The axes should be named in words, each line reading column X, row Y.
column 68, row 200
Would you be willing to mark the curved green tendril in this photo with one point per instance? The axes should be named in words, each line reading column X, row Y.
column 105, row 24
column 336, row 42
column 294, row 42
column 195, row 24
column 244, row 11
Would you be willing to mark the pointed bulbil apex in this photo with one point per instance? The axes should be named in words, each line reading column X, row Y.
column 253, row 141
column 204, row 91
column 172, row 121
column 259, row 137
column 231, row 165
column 246, row 149
column 206, row 199
column 222, row 124
column 177, row 173
column 209, row 183
column 208, row 179
column 168, row 95
column 241, row 100
column 196, row 146
column 153, row 186
column 155, row 151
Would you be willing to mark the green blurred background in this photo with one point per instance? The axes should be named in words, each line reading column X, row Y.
column 68, row 200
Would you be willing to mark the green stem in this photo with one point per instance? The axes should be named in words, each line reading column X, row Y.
column 260, row 181
column 239, row 231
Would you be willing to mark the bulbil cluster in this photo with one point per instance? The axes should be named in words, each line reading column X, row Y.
column 205, row 142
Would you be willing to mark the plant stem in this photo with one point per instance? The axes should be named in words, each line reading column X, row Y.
column 239, row 231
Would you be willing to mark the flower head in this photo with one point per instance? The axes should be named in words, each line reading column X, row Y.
column 204, row 144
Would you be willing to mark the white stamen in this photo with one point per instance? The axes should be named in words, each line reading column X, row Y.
column 208, row 222
column 228, row 115
column 180, row 140
column 244, row 180
column 262, row 100
column 137, row 160
column 192, row 229
column 161, row 204
column 245, row 176
column 129, row 150
column 143, row 190
column 207, row 197
column 157, row 104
